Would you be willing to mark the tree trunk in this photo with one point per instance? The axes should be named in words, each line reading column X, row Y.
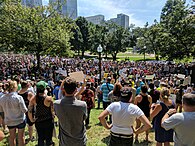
column 83, row 53
column 114, row 56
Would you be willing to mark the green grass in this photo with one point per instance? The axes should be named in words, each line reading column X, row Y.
column 97, row 135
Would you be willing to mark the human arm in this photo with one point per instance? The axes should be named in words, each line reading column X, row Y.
column 103, row 121
column 154, row 110
column 22, row 105
column 138, row 98
column 31, row 105
column 167, row 117
column 77, row 94
column 1, row 135
column 146, row 125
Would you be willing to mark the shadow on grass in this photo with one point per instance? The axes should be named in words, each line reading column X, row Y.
column 106, row 140
column 143, row 143
column 98, row 124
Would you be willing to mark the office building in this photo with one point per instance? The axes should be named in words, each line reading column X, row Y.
column 32, row 3
column 97, row 19
column 122, row 20
column 67, row 8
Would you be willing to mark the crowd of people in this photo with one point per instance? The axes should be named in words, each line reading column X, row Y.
column 150, row 93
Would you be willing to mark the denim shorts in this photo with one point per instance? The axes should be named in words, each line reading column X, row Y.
column 19, row 126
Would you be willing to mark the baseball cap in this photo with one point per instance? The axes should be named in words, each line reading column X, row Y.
column 41, row 85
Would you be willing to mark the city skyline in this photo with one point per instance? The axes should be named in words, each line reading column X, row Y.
column 139, row 12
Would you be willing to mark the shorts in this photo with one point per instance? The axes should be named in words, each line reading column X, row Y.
column 19, row 126
column 2, row 115
column 28, row 121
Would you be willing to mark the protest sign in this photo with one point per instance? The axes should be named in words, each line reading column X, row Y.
column 181, row 76
column 78, row 76
column 149, row 77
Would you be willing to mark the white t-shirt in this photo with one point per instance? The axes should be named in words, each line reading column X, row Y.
column 123, row 116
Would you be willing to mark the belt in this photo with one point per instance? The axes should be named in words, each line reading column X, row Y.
column 121, row 135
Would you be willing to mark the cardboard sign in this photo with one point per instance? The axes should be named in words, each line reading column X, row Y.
column 78, row 76
column 149, row 77
column 187, row 81
column 181, row 76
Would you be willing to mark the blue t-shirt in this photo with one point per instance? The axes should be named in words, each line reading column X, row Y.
column 105, row 91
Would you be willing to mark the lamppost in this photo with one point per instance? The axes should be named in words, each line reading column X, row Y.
column 99, row 50
column 144, row 53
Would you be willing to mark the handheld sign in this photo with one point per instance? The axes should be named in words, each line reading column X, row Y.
column 78, row 76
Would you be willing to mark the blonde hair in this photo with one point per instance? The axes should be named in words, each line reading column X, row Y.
column 165, row 93
column 12, row 86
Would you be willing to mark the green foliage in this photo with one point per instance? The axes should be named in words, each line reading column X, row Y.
column 177, row 33
column 118, row 40
column 83, row 25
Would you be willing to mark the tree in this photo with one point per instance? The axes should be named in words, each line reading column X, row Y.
column 177, row 33
column 38, row 30
column 83, row 25
column 118, row 40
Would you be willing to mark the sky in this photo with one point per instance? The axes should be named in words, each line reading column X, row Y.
column 139, row 11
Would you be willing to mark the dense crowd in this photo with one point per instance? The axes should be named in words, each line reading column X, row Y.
column 145, row 92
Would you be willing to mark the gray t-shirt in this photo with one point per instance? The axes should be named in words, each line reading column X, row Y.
column 71, row 114
column 183, row 125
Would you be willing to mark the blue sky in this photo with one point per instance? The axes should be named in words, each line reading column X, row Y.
column 139, row 11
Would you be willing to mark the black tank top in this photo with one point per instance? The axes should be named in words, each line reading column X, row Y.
column 144, row 105
column 42, row 112
column 25, row 97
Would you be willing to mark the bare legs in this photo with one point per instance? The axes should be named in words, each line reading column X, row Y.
column 12, row 138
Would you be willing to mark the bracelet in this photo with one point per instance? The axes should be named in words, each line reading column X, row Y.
column 169, row 114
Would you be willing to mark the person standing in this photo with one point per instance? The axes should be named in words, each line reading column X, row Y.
column 157, row 112
column 88, row 97
column 44, row 120
column 105, row 89
column 124, row 114
column 71, row 115
column 144, row 102
column 14, row 109
column 183, row 124
column 27, row 96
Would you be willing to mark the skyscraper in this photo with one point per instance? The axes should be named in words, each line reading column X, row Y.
column 67, row 8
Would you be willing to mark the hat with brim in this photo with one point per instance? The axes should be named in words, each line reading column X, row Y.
column 41, row 85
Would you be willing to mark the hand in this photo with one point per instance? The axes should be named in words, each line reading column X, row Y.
column 110, row 126
column 171, row 111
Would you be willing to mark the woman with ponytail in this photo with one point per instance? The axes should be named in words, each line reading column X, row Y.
column 157, row 112
column 42, row 105
column 14, row 110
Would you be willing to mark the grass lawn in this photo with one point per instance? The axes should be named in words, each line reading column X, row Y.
column 97, row 135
